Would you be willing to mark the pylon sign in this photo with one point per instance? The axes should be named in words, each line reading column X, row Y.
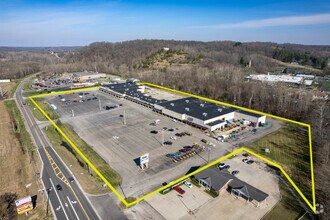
column 144, row 160
column 24, row 205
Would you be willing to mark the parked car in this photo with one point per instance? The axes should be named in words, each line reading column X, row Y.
column 204, row 141
column 248, row 161
column 179, row 190
column 187, row 133
column 58, row 187
column 185, row 150
column 183, row 134
column 173, row 138
column 178, row 134
column 170, row 129
column 188, row 147
column 235, row 172
column 245, row 155
column 188, row 184
column 223, row 166
column 154, row 132
column 168, row 143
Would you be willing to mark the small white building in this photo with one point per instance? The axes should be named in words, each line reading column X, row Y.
column 204, row 115
column 83, row 76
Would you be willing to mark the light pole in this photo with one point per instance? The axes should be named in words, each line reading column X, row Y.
column 162, row 137
column 124, row 117
column 48, row 191
column 208, row 155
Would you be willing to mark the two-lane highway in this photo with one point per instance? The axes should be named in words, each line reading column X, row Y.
column 69, row 202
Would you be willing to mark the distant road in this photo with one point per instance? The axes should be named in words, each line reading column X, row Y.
column 70, row 202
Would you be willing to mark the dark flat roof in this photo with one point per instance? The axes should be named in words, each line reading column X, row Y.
column 130, row 89
column 249, row 113
column 196, row 108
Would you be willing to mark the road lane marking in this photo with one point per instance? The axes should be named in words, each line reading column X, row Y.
column 58, row 198
column 72, row 207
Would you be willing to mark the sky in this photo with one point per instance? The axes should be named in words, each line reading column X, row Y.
column 81, row 22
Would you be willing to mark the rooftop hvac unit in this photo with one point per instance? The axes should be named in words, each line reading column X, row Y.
column 187, row 101
column 204, row 114
column 187, row 109
column 172, row 104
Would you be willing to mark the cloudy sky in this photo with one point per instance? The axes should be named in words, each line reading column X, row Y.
column 81, row 22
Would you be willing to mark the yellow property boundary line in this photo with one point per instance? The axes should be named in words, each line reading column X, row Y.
column 311, row 205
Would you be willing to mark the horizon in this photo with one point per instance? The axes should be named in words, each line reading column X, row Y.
column 63, row 23
column 114, row 42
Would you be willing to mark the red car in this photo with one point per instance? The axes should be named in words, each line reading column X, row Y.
column 185, row 150
column 179, row 190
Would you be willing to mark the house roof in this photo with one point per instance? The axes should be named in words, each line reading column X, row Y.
column 250, row 192
column 197, row 108
column 218, row 179
column 213, row 178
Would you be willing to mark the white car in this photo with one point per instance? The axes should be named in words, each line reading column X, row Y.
column 188, row 184
column 173, row 138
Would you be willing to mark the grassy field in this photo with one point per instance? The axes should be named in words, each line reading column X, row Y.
column 18, row 171
column 289, row 147
column 37, row 114
column 287, row 208
column 18, row 126
column 90, row 184
column 8, row 89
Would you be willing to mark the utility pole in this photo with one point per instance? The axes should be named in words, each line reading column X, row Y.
column 1, row 93
column 100, row 104
column 48, row 191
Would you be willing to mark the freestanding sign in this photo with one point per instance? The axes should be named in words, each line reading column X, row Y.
column 24, row 205
column 144, row 160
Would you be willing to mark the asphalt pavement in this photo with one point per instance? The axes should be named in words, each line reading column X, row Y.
column 70, row 202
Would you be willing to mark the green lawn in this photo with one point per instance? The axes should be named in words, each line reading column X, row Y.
column 111, row 175
column 287, row 208
column 13, row 89
column 289, row 147
column 19, row 128
column 37, row 114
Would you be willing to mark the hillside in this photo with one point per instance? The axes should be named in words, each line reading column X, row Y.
column 166, row 57
column 129, row 55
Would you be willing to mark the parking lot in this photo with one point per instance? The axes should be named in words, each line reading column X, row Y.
column 225, row 206
column 122, row 144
